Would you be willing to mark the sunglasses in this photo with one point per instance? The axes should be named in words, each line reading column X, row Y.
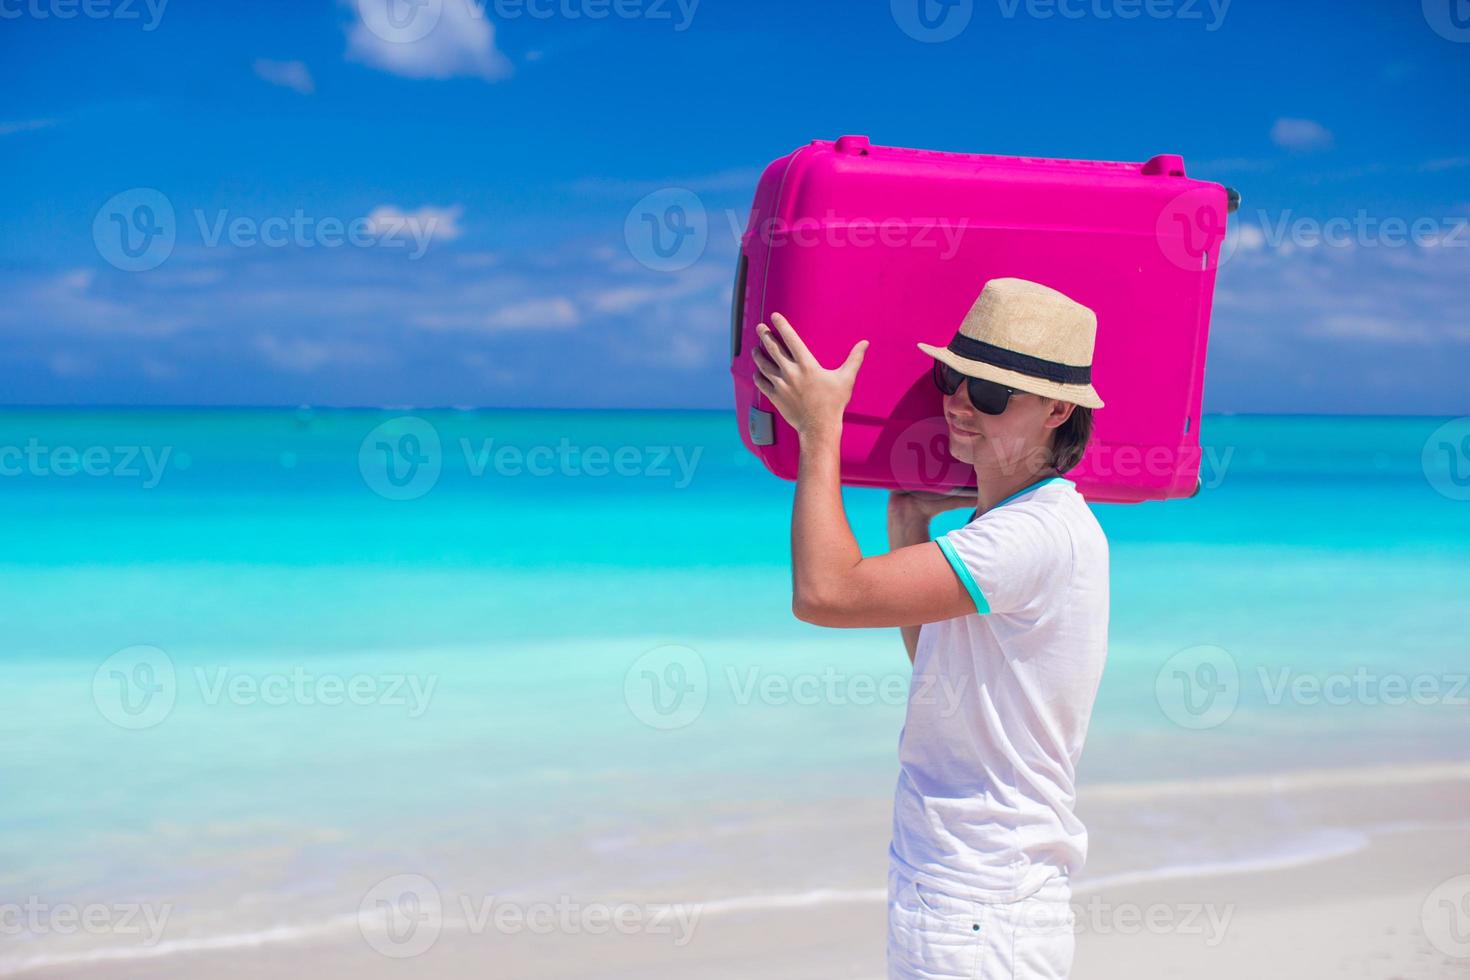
column 986, row 396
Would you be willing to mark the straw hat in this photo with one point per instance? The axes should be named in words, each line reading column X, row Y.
column 1029, row 337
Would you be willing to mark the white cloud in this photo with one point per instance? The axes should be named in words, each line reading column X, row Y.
column 24, row 125
column 698, row 279
column 1446, row 163
column 303, row 355
column 477, row 260
column 296, row 354
column 686, row 351
column 426, row 39
column 287, row 74
column 79, row 280
column 157, row 369
column 543, row 313
column 65, row 364
column 623, row 299
column 493, row 371
column 165, row 277
column 425, row 225
column 1358, row 300
column 1301, row 135
column 554, row 313
column 1251, row 238
column 1356, row 326
column 69, row 302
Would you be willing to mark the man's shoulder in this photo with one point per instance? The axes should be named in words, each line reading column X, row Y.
column 1057, row 500
column 1038, row 518
column 1061, row 507
column 1057, row 504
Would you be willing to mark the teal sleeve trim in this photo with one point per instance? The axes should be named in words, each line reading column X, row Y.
column 963, row 571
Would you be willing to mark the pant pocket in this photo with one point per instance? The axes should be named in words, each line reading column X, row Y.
column 936, row 935
column 940, row 904
column 1045, row 939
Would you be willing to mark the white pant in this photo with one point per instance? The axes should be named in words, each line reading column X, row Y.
column 934, row 935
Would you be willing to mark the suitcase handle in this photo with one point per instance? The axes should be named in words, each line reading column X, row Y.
column 737, row 306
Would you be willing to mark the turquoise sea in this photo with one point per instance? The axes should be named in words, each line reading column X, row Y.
column 255, row 661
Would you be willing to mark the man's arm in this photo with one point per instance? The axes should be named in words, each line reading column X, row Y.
column 832, row 583
column 906, row 527
column 909, row 517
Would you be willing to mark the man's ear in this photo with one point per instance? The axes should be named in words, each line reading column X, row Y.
column 1059, row 413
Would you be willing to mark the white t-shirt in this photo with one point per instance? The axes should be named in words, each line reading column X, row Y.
column 1000, row 702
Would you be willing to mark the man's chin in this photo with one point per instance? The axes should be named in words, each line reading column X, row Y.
column 961, row 447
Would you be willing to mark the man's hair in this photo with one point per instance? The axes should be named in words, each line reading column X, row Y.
column 1069, row 440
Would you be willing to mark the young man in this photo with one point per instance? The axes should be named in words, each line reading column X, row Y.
column 1010, row 611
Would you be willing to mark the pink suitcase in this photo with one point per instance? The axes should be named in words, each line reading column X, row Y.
column 850, row 241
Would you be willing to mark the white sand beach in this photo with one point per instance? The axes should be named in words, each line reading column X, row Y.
column 1373, row 893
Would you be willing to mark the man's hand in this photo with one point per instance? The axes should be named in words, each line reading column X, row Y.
column 909, row 509
column 909, row 514
column 808, row 396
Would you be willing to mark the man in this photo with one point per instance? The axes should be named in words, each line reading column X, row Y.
column 1011, row 611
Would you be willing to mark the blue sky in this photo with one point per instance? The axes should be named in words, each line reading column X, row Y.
column 487, row 169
